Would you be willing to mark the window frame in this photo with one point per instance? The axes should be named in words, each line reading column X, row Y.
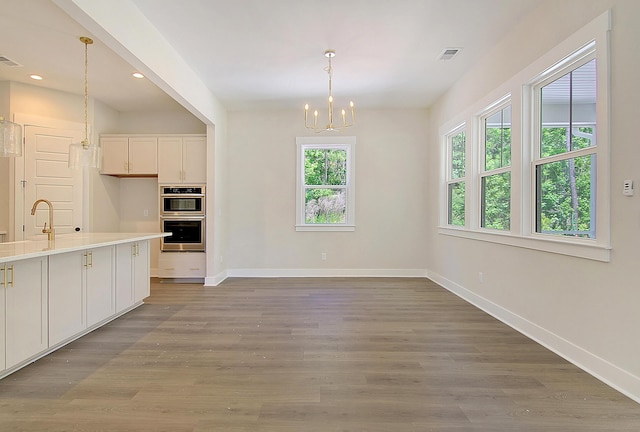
column 569, row 64
column 496, row 107
column 347, row 143
column 450, row 180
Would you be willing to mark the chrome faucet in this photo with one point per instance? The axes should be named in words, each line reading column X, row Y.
column 49, row 231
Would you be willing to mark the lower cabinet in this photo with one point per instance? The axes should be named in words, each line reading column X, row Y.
column 24, row 286
column 81, row 291
column 100, row 284
column 182, row 265
column 49, row 300
column 132, row 274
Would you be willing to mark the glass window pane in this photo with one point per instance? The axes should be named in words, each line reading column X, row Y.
column 566, row 197
column 568, row 104
column 496, row 201
column 325, row 167
column 458, row 155
column 456, row 204
column 325, row 206
column 498, row 140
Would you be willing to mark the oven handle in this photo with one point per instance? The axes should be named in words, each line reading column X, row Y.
column 179, row 218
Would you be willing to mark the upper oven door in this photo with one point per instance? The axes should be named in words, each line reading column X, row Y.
column 181, row 205
column 182, row 200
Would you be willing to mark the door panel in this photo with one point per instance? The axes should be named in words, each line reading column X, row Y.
column 48, row 176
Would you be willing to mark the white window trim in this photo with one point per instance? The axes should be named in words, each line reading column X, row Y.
column 519, row 86
column 447, row 140
column 347, row 143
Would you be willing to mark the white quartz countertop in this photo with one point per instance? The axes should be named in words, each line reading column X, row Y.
column 13, row 251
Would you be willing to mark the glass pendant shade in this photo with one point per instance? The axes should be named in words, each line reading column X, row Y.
column 83, row 155
column 10, row 138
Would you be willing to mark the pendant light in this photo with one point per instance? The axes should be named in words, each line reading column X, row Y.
column 84, row 154
column 347, row 121
column 10, row 138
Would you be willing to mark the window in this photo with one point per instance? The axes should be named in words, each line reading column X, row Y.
column 537, row 160
column 325, row 199
column 566, row 152
column 456, row 151
column 495, row 174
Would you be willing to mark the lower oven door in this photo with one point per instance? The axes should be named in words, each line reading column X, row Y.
column 187, row 234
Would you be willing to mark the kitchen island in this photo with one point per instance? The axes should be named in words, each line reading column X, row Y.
column 53, row 292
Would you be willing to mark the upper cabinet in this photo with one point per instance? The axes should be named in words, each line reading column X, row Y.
column 182, row 160
column 129, row 155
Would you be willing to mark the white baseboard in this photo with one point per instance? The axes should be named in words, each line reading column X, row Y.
column 621, row 380
column 270, row 273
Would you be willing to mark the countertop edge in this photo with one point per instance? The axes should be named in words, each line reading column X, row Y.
column 64, row 243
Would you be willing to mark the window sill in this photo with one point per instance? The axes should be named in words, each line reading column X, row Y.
column 575, row 248
column 342, row 228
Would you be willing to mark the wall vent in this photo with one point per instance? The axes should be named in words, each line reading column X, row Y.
column 8, row 62
column 449, row 53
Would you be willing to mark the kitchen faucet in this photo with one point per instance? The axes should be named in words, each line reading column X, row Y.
column 49, row 231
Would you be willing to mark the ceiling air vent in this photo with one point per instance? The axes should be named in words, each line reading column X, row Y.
column 449, row 53
column 8, row 62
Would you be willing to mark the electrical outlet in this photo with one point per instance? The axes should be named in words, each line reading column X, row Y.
column 146, row 212
column 481, row 277
column 324, row 256
column 627, row 188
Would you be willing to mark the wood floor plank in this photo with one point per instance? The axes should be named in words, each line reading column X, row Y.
column 308, row 354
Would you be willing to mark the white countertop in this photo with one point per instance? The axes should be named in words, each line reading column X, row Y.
column 13, row 251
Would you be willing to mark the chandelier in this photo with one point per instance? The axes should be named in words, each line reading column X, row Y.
column 83, row 154
column 330, row 126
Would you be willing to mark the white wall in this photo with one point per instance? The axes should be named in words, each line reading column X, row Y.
column 159, row 122
column 585, row 310
column 391, row 158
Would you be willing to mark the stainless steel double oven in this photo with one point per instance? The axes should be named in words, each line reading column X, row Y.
column 182, row 213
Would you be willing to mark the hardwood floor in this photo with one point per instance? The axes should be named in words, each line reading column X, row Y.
column 307, row 355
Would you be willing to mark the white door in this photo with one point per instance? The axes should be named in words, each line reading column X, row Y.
column 48, row 176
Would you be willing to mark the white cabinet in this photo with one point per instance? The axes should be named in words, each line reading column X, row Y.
column 132, row 274
column 182, row 160
column 99, row 284
column 81, row 291
column 129, row 156
column 24, row 294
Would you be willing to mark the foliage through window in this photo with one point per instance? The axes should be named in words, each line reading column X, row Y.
column 325, row 167
column 325, row 183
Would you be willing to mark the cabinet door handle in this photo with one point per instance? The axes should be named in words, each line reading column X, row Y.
column 8, row 282
column 88, row 259
column 3, row 281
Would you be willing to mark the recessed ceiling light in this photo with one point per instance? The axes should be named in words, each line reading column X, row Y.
column 35, row 77
column 138, row 75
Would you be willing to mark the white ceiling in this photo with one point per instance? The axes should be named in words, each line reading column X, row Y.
column 269, row 53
